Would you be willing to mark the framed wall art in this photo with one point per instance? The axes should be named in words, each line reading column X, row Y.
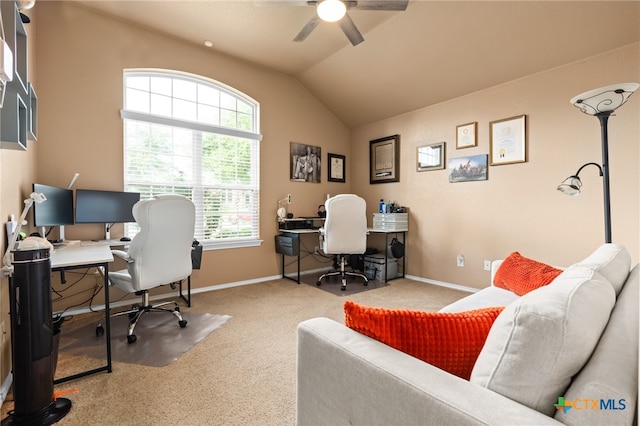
column 470, row 168
column 336, row 167
column 466, row 135
column 508, row 139
column 305, row 162
column 430, row 157
column 384, row 160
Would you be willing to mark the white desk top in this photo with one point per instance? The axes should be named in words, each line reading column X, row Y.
column 78, row 255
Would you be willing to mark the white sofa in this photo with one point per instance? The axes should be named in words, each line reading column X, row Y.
column 576, row 338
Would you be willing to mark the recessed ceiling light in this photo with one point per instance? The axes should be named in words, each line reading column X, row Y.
column 208, row 43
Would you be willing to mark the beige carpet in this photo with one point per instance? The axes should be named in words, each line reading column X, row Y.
column 160, row 340
column 244, row 373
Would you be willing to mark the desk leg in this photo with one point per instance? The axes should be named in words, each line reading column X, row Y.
column 107, row 314
column 298, row 266
column 107, row 328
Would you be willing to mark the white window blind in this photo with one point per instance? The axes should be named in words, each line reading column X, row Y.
column 195, row 137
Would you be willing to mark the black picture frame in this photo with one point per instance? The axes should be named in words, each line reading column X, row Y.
column 336, row 167
column 384, row 160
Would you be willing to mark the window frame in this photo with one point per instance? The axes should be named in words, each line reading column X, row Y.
column 201, row 127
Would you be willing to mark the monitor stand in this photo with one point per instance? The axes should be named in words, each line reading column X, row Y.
column 107, row 231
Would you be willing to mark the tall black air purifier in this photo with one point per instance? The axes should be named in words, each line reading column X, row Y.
column 32, row 341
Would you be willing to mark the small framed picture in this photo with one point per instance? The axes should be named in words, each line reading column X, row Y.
column 305, row 162
column 430, row 157
column 466, row 169
column 384, row 160
column 508, row 140
column 336, row 168
column 466, row 135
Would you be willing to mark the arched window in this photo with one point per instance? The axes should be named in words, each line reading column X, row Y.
column 191, row 135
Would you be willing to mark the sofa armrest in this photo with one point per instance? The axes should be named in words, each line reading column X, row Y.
column 345, row 377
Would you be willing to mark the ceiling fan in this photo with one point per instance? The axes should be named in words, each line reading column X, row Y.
column 336, row 11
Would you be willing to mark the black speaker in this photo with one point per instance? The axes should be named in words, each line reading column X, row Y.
column 32, row 341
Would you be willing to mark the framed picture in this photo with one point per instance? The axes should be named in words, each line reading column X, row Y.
column 466, row 135
column 430, row 157
column 384, row 160
column 305, row 163
column 508, row 140
column 465, row 169
column 336, row 168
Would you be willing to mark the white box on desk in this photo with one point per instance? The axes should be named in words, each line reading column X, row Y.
column 391, row 221
column 376, row 261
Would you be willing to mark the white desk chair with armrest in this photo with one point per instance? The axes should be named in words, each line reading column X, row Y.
column 159, row 254
column 344, row 233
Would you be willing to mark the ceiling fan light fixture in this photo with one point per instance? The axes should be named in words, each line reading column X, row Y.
column 331, row 10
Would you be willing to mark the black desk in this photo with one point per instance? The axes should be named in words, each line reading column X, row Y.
column 293, row 237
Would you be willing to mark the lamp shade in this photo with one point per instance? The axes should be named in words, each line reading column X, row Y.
column 331, row 10
column 604, row 99
column 570, row 186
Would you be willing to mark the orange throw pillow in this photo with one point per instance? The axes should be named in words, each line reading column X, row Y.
column 522, row 275
column 450, row 341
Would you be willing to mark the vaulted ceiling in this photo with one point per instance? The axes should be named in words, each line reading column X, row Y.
column 432, row 52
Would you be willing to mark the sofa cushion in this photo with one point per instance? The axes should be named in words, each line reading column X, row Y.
column 612, row 261
column 541, row 340
column 612, row 371
column 521, row 274
column 449, row 341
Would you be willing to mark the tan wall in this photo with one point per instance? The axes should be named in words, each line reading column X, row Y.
column 81, row 59
column 518, row 207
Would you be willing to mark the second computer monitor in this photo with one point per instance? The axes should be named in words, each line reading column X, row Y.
column 95, row 206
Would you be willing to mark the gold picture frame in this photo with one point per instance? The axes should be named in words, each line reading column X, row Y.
column 508, row 138
column 430, row 157
column 467, row 135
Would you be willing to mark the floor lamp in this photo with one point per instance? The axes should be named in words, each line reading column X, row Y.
column 601, row 102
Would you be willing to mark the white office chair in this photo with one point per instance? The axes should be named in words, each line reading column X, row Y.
column 159, row 254
column 344, row 233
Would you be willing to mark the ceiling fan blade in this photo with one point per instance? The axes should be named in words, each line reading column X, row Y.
column 378, row 4
column 350, row 30
column 306, row 30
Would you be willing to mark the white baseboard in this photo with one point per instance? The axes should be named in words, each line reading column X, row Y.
column 443, row 284
column 254, row 281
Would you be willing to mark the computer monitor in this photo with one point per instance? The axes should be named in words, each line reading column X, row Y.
column 56, row 210
column 94, row 206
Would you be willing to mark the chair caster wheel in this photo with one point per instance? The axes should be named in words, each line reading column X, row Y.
column 318, row 283
column 177, row 309
column 99, row 330
column 182, row 323
column 366, row 284
column 343, row 288
column 131, row 338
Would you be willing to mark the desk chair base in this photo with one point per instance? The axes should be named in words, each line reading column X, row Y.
column 343, row 275
column 136, row 312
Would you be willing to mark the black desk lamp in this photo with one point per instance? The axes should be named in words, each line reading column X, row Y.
column 602, row 103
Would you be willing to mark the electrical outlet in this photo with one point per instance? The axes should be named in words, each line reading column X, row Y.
column 288, row 198
column 460, row 260
column 487, row 265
